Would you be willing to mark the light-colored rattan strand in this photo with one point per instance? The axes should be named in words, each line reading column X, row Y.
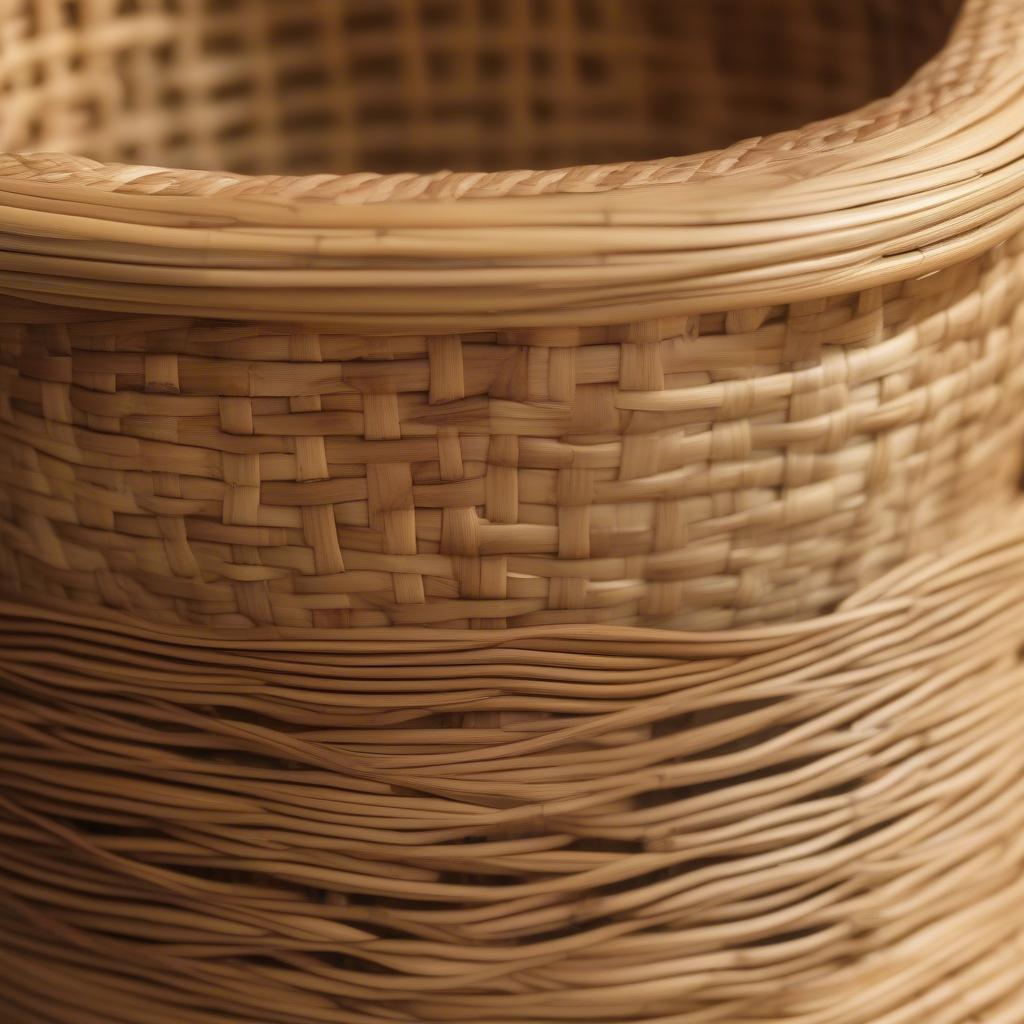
column 811, row 822
column 695, row 471
column 589, row 593
column 910, row 184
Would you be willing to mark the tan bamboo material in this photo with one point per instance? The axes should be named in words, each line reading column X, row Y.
column 818, row 822
column 588, row 592
column 691, row 392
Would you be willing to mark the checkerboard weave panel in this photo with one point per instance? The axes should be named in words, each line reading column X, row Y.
column 694, row 472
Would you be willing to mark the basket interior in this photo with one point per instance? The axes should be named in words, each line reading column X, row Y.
column 299, row 86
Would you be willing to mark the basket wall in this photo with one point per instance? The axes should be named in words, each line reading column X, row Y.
column 694, row 472
column 511, row 597
column 814, row 823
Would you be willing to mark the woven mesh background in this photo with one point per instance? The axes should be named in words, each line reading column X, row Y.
column 389, row 85
column 333, row 526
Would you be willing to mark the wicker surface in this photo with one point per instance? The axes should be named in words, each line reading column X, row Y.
column 920, row 180
column 819, row 823
column 694, row 392
column 573, row 593
column 695, row 472
column 379, row 85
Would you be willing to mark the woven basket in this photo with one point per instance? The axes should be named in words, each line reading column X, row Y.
column 584, row 594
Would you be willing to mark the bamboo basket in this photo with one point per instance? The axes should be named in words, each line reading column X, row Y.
column 589, row 593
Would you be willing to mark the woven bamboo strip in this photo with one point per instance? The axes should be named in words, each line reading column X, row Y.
column 580, row 593
column 910, row 184
column 694, row 472
column 810, row 822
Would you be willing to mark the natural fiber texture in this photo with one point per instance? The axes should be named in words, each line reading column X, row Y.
column 337, row 512
column 378, row 85
column 695, row 472
column 693, row 392
column 820, row 823
column 912, row 183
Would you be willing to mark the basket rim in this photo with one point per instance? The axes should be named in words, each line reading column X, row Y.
column 905, row 186
column 356, row 187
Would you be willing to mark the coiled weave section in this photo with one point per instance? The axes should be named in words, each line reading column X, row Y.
column 801, row 824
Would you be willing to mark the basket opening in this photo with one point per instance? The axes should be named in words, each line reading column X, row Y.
column 299, row 86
